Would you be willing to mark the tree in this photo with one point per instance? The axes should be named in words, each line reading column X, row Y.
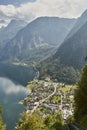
column 30, row 121
column 81, row 97
column 2, row 125
column 54, row 122
column 34, row 121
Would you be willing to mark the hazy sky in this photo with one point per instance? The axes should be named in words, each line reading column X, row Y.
column 30, row 9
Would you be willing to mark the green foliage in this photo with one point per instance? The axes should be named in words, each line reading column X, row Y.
column 81, row 97
column 30, row 121
column 53, row 68
column 33, row 84
column 70, row 119
column 2, row 125
column 84, row 121
column 34, row 121
column 56, row 99
column 54, row 122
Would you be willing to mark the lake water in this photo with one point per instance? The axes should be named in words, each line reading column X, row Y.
column 10, row 95
column 17, row 73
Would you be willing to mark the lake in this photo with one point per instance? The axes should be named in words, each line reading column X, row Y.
column 11, row 92
column 10, row 95
column 17, row 73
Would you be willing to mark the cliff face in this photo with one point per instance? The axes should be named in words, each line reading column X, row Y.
column 37, row 40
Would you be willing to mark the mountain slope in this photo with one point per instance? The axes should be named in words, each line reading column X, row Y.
column 37, row 39
column 67, row 62
column 76, row 47
column 80, row 22
column 8, row 32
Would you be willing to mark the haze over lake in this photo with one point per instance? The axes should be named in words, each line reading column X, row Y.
column 10, row 95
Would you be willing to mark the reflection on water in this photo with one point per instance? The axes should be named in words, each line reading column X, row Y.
column 10, row 95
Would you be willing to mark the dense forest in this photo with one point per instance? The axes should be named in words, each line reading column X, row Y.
column 81, row 99
column 57, row 71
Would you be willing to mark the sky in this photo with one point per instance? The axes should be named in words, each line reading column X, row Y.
column 31, row 9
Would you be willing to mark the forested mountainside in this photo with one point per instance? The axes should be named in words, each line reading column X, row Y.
column 38, row 39
column 69, row 57
column 73, row 51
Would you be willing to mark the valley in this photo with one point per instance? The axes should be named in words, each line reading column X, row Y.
column 43, row 71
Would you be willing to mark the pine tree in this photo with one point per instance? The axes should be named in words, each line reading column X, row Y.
column 81, row 96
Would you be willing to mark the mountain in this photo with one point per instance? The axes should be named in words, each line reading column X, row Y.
column 14, row 2
column 67, row 62
column 74, row 50
column 38, row 39
column 80, row 22
column 8, row 32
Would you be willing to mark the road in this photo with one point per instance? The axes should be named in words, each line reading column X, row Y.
column 43, row 100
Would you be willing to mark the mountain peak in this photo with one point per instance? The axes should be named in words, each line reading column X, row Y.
column 79, row 23
column 84, row 14
column 42, row 35
column 8, row 32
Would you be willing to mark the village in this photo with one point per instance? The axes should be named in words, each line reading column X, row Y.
column 49, row 97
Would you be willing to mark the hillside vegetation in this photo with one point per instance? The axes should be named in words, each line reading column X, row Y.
column 81, row 99
column 58, row 71
column 65, row 65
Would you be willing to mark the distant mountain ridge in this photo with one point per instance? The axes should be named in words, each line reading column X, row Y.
column 14, row 2
column 8, row 32
column 38, row 39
